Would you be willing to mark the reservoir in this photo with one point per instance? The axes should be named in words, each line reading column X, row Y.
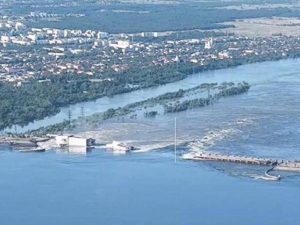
column 147, row 187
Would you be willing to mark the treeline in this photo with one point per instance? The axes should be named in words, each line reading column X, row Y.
column 37, row 100
column 34, row 101
column 201, row 102
column 150, row 114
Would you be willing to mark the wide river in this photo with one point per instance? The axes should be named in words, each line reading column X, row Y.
column 147, row 187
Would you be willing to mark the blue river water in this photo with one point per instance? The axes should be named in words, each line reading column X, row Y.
column 148, row 187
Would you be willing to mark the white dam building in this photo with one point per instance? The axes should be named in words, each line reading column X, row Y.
column 73, row 141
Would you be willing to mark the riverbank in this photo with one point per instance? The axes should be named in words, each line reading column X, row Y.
column 60, row 92
column 253, row 73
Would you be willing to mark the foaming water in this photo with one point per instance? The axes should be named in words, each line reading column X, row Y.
column 260, row 123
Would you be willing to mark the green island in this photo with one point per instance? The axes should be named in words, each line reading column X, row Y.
column 200, row 102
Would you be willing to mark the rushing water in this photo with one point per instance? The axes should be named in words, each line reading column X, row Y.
column 147, row 187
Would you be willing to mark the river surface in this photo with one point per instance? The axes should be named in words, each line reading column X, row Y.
column 146, row 186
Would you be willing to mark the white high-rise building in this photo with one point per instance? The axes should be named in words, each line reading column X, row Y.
column 102, row 35
column 149, row 34
column 67, row 33
column 208, row 43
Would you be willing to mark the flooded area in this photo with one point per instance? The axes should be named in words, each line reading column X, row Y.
column 100, row 187
column 262, row 122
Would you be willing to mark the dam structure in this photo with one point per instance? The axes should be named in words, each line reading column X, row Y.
column 231, row 158
column 283, row 165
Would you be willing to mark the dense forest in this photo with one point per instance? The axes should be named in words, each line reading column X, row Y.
column 118, row 17
column 37, row 100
